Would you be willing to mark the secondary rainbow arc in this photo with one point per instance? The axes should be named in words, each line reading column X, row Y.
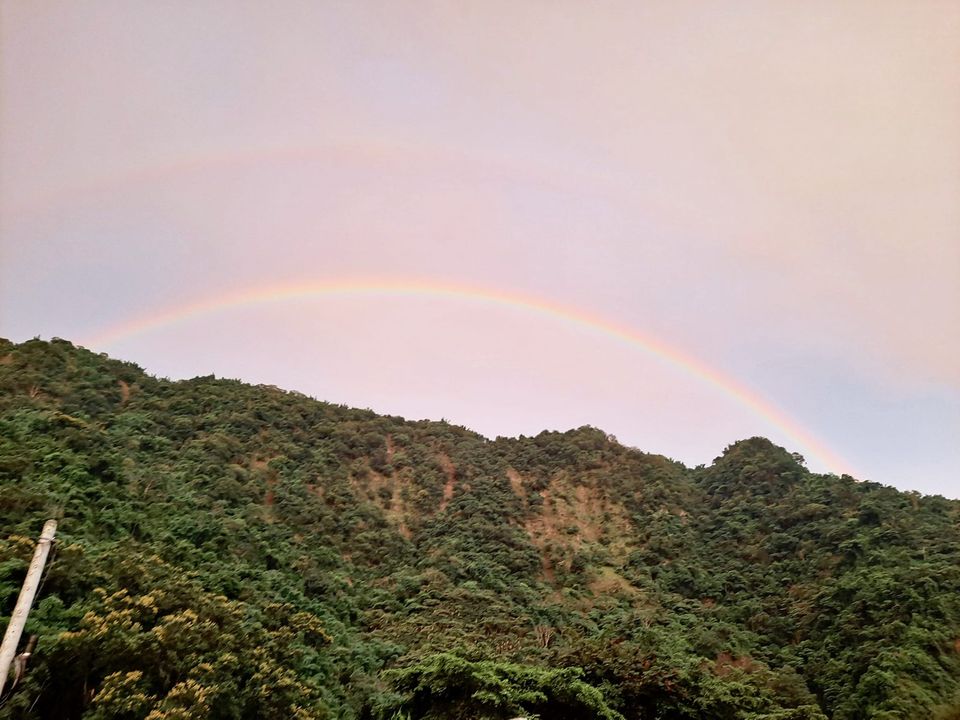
column 518, row 301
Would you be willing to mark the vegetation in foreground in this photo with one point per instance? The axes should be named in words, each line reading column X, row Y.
column 237, row 551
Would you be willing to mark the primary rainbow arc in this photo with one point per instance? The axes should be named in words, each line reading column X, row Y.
column 647, row 343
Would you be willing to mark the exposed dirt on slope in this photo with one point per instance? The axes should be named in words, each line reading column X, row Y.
column 516, row 483
column 573, row 515
column 546, row 566
column 726, row 663
column 124, row 392
column 609, row 582
column 451, row 474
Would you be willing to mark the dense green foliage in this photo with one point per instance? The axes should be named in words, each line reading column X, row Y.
column 236, row 551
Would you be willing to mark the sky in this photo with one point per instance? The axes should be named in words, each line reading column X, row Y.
column 685, row 223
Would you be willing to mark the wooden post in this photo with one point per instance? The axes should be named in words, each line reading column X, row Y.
column 11, row 637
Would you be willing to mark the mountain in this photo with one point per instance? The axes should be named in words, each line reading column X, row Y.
column 237, row 551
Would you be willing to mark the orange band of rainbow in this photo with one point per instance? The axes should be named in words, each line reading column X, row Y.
column 394, row 287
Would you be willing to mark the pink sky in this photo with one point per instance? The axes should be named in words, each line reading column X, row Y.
column 769, row 188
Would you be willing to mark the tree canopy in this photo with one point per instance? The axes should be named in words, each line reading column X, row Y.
column 236, row 551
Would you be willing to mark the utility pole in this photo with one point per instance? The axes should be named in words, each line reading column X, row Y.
column 30, row 584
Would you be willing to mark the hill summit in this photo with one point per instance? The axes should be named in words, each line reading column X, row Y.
column 238, row 551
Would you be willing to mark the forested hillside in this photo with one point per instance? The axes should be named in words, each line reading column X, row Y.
column 237, row 551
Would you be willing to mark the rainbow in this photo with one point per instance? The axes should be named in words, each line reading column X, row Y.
column 285, row 293
column 361, row 151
